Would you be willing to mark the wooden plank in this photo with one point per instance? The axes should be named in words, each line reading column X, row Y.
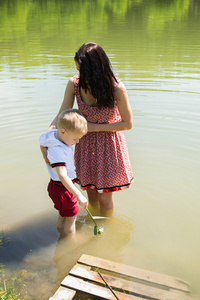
column 63, row 293
column 93, row 289
column 137, row 289
column 148, row 276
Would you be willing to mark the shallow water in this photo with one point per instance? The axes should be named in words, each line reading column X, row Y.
column 154, row 48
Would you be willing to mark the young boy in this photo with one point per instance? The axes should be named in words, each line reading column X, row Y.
column 71, row 127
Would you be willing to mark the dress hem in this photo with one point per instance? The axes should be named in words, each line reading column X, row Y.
column 104, row 190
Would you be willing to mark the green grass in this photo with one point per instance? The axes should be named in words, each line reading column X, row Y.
column 29, row 283
column 9, row 287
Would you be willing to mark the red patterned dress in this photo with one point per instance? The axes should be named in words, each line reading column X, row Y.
column 101, row 158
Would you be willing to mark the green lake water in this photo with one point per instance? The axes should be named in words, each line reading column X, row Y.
column 154, row 48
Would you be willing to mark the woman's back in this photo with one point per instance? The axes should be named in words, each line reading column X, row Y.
column 87, row 105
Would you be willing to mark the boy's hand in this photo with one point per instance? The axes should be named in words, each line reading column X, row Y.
column 82, row 201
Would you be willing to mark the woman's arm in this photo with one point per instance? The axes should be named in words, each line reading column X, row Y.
column 125, row 111
column 67, row 103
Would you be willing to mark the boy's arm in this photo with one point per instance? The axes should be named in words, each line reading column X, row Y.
column 44, row 154
column 66, row 181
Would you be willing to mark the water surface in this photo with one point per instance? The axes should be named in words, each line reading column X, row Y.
column 154, row 48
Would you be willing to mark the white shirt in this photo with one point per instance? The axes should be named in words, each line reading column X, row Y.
column 59, row 154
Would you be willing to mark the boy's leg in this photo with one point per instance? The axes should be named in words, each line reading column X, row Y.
column 60, row 222
column 70, row 225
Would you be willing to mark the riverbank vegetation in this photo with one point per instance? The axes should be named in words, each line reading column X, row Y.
column 22, row 284
column 18, row 283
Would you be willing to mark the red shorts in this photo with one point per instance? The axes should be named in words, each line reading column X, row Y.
column 64, row 201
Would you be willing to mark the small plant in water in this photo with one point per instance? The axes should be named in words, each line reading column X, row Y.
column 97, row 230
column 3, row 240
column 8, row 290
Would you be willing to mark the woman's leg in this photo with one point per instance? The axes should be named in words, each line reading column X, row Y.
column 93, row 198
column 106, row 203
column 103, row 201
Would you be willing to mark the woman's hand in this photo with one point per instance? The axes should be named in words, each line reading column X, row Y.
column 100, row 127
column 44, row 154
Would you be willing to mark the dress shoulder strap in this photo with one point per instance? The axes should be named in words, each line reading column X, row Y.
column 76, row 80
column 116, row 83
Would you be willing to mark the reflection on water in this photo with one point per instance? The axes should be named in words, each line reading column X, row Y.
column 35, row 244
column 106, row 245
column 154, row 49
column 32, row 235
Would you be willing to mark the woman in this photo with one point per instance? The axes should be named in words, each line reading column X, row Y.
column 101, row 157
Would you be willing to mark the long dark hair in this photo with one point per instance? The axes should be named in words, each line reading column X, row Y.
column 96, row 74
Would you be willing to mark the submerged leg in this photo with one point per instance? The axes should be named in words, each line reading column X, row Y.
column 70, row 225
column 93, row 201
column 106, row 204
column 60, row 222
column 100, row 203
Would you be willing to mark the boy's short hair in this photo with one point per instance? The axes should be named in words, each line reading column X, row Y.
column 72, row 120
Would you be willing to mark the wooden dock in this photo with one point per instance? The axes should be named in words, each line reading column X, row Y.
column 97, row 278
